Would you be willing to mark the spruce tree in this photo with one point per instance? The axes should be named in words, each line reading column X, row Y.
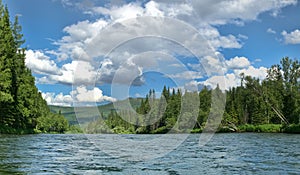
column 21, row 103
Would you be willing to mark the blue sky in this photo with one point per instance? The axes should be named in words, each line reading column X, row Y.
column 99, row 51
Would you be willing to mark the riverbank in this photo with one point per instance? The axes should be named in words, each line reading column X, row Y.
column 72, row 129
column 265, row 128
column 8, row 130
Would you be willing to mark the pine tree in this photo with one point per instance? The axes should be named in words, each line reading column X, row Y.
column 7, row 54
column 204, row 107
column 22, row 107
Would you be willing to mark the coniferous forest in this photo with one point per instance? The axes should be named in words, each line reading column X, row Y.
column 22, row 108
column 271, row 105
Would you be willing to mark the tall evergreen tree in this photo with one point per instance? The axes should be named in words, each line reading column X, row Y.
column 21, row 104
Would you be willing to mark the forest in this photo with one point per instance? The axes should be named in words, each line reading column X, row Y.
column 271, row 105
column 22, row 108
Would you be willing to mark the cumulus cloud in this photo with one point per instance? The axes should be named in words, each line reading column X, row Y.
column 84, row 95
column 291, row 38
column 237, row 11
column 87, row 40
column 212, row 65
column 229, row 80
column 76, row 72
column 58, row 100
column 72, row 45
column 129, row 74
column 212, row 12
column 39, row 63
column 201, row 14
column 216, row 40
column 119, row 13
column 225, row 82
column 259, row 73
column 44, row 80
column 83, row 39
column 238, row 63
column 151, row 8
column 126, row 30
column 81, row 95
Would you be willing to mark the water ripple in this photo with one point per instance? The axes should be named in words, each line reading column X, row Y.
column 224, row 154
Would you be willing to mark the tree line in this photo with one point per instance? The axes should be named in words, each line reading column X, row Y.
column 269, row 105
column 22, row 108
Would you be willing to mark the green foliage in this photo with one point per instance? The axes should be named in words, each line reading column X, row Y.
column 54, row 123
column 293, row 128
column 74, row 129
column 196, row 130
column 204, row 108
column 23, row 110
column 4, row 129
column 161, row 130
column 254, row 106
column 266, row 128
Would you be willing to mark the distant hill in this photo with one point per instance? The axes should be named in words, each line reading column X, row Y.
column 87, row 114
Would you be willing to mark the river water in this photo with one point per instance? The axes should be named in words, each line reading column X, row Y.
column 246, row 153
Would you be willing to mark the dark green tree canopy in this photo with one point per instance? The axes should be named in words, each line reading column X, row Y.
column 21, row 104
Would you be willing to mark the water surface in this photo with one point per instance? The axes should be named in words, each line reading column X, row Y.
column 246, row 153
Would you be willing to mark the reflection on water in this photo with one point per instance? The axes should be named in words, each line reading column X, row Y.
column 224, row 154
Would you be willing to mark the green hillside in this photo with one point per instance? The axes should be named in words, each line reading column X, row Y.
column 87, row 114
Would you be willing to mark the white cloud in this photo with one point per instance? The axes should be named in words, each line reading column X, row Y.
column 200, row 14
column 81, row 95
column 83, row 30
column 191, row 86
column 72, row 45
column 84, row 95
column 291, row 38
column 226, row 79
column 238, row 63
column 125, row 27
column 236, row 11
column 269, row 30
column 44, row 80
column 119, row 13
column 76, row 72
column 212, row 66
column 152, row 9
column 225, row 82
column 129, row 74
column 39, row 63
column 123, row 30
column 211, row 12
column 233, row 79
column 259, row 73
column 86, row 40
column 58, row 100
column 216, row 40
column 176, row 9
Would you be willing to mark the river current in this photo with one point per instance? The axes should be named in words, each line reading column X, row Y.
column 240, row 153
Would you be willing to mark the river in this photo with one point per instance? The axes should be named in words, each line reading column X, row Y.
column 239, row 153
